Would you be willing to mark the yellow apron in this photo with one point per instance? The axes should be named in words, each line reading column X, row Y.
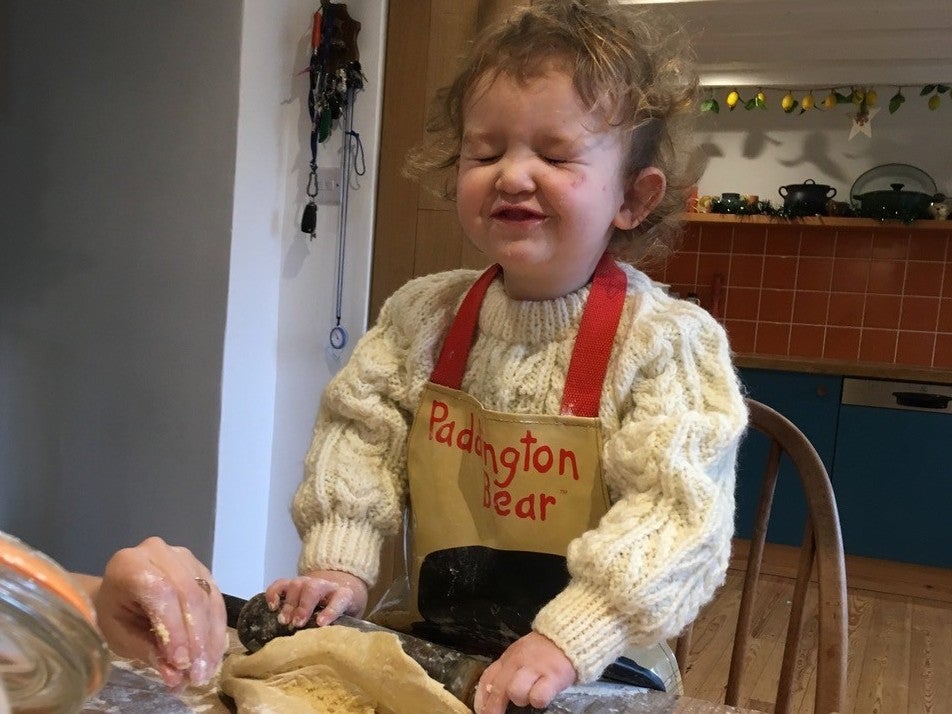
column 496, row 498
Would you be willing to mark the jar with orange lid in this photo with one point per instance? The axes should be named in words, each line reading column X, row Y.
column 52, row 657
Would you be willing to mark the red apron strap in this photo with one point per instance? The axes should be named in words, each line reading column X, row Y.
column 590, row 355
column 593, row 344
column 452, row 361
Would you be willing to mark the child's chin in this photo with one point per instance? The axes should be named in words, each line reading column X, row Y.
column 522, row 252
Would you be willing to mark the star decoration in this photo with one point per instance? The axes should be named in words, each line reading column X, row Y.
column 863, row 122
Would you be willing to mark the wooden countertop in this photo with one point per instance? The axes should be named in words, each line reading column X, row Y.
column 874, row 370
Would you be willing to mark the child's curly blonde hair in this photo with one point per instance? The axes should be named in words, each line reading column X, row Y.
column 632, row 66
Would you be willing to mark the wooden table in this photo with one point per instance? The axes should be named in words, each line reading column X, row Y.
column 135, row 687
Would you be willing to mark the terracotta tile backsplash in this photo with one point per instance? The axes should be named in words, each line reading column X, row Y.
column 860, row 294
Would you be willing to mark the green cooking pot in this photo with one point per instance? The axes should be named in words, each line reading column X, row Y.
column 904, row 205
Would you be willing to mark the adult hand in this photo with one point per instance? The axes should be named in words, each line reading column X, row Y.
column 530, row 672
column 158, row 603
column 337, row 592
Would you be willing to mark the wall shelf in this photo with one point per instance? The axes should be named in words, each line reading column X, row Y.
column 825, row 221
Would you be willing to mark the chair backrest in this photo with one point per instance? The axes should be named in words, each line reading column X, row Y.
column 822, row 542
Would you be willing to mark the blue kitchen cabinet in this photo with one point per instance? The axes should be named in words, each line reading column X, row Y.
column 810, row 401
column 892, row 474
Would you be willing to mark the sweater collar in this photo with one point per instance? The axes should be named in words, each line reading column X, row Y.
column 530, row 321
column 538, row 321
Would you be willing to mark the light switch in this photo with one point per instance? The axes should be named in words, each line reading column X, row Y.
column 328, row 186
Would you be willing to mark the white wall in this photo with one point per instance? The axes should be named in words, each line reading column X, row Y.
column 282, row 294
column 756, row 152
column 117, row 133
column 151, row 174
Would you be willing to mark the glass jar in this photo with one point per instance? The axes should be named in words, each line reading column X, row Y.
column 52, row 657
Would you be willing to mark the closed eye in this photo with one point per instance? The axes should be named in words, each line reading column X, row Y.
column 481, row 158
column 554, row 161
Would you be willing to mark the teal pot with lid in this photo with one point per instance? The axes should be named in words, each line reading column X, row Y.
column 895, row 203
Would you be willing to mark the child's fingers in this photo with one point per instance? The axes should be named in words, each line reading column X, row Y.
column 296, row 599
column 290, row 600
column 487, row 694
column 495, row 698
column 315, row 592
column 338, row 603
column 543, row 691
column 275, row 592
column 521, row 684
column 302, row 595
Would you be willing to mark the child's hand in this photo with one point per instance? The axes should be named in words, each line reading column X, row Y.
column 339, row 593
column 530, row 672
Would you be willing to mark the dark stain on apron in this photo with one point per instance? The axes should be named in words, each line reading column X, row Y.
column 481, row 599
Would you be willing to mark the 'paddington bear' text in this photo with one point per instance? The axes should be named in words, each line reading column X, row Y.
column 502, row 462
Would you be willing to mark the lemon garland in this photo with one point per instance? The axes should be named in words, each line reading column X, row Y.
column 862, row 97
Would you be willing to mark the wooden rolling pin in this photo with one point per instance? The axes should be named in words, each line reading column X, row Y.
column 458, row 672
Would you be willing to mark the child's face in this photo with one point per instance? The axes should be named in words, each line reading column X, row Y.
column 540, row 187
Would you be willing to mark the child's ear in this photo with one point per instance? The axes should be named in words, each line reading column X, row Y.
column 643, row 192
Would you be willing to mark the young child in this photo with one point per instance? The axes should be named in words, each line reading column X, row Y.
column 564, row 431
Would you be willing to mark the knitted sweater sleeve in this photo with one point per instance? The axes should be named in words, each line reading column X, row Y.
column 662, row 549
column 354, row 482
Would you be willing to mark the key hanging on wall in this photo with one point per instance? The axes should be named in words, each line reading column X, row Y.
column 334, row 65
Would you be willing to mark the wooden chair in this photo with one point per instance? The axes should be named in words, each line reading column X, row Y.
column 822, row 542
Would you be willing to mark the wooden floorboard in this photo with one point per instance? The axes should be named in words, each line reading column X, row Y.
column 930, row 682
column 883, row 681
column 804, row 679
column 860, row 613
column 711, row 645
column 900, row 640
column 760, row 677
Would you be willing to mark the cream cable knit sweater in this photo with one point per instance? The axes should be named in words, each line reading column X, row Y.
column 672, row 415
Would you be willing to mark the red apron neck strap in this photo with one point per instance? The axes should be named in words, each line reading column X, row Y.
column 590, row 355
column 593, row 344
column 452, row 361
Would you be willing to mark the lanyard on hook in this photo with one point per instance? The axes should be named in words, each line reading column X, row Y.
column 353, row 149
column 335, row 77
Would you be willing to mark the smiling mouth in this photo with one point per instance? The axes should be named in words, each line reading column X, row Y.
column 517, row 215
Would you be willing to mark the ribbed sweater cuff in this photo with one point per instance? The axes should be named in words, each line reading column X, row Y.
column 585, row 627
column 341, row 544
